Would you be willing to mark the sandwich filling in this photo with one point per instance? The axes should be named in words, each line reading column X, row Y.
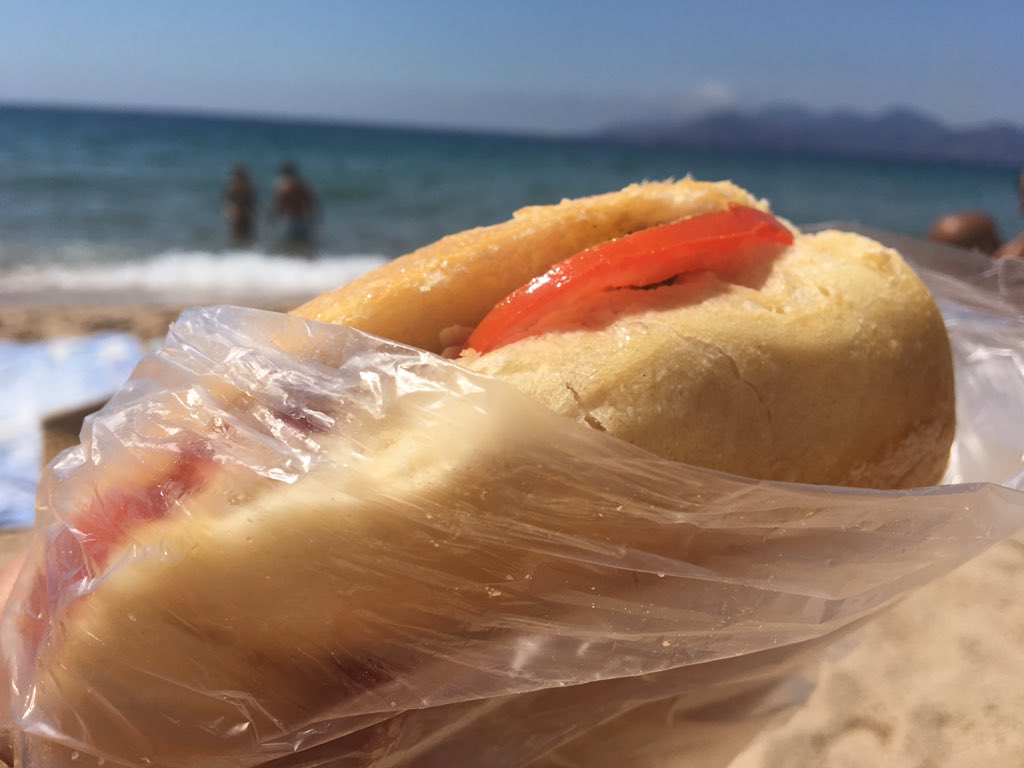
column 641, row 259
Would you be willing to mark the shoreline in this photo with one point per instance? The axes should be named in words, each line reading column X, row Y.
column 30, row 321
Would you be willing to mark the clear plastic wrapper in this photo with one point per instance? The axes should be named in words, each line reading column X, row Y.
column 292, row 544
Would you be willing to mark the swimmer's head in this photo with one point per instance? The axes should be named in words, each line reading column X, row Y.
column 974, row 230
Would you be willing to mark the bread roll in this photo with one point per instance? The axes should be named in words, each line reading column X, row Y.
column 826, row 363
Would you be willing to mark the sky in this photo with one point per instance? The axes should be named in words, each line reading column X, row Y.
column 524, row 65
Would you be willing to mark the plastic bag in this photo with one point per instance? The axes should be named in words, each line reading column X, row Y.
column 291, row 544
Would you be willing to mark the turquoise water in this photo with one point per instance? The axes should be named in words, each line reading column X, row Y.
column 91, row 187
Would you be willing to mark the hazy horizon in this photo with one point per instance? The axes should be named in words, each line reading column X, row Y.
column 314, row 119
column 533, row 67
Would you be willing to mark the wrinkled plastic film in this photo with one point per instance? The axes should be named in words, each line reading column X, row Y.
column 285, row 543
column 982, row 302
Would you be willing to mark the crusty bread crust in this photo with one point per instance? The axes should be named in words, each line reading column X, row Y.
column 457, row 280
column 826, row 364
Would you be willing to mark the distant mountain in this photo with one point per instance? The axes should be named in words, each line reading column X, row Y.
column 897, row 133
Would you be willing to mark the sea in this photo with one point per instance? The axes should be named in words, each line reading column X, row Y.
column 100, row 204
column 132, row 200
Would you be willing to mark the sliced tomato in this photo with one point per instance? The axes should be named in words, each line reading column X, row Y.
column 644, row 258
column 112, row 517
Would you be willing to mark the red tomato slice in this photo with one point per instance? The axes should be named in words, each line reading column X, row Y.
column 111, row 518
column 643, row 258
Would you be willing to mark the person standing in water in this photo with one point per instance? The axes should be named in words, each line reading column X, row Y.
column 239, row 205
column 295, row 204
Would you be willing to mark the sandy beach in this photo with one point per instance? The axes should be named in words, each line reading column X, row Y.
column 938, row 680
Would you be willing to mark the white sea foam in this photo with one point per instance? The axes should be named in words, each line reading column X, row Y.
column 194, row 277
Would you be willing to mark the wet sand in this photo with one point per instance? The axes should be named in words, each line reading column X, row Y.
column 34, row 322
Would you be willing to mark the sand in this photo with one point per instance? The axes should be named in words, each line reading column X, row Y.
column 937, row 681
column 33, row 322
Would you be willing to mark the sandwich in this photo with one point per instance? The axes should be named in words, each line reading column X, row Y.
column 274, row 560
column 745, row 346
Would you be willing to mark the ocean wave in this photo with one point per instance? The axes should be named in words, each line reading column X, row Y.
column 192, row 276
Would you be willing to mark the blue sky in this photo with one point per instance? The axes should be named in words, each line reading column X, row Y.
column 525, row 65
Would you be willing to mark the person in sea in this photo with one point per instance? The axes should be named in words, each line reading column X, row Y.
column 971, row 230
column 296, row 206
column 239, row 204
column 977, row 231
